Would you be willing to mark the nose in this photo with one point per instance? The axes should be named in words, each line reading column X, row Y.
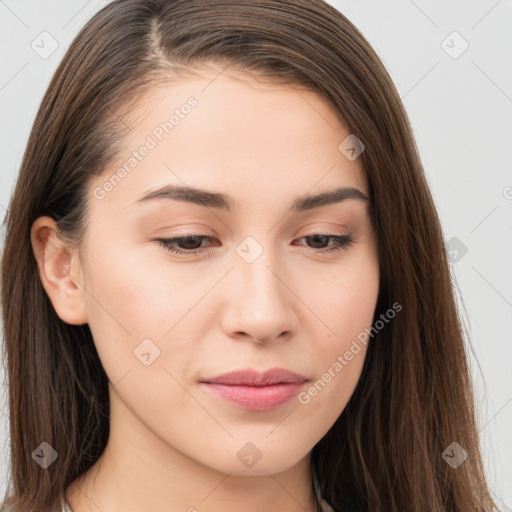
column 259, row 302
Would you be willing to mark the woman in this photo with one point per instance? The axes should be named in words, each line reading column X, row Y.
column 236, row 283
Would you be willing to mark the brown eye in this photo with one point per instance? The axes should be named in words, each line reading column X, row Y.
column 192, row 244
column 340, row 242
column 189, row 244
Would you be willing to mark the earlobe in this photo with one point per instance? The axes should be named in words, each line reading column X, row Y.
column 60, row 271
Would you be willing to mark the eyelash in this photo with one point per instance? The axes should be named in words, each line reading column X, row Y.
column 341, row 242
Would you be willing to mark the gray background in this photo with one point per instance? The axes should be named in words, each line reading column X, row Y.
column 459, row 103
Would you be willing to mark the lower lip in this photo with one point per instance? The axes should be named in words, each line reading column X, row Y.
column 256, row 398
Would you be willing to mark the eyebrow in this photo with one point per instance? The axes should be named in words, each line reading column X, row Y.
column 221, row 201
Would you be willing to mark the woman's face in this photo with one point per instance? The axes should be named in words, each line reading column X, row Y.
column 267, row 265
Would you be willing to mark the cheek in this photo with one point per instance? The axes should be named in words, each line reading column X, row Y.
column 127, row 289
column 136, row 309
column 346, row 302
column 346, row 308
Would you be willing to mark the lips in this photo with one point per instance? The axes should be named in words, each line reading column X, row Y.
column 254, row 378
column 254, row 391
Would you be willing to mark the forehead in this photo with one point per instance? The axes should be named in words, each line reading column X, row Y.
column 233, row 133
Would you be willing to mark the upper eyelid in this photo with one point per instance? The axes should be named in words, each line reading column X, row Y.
column 213, row 237
column 315, row 231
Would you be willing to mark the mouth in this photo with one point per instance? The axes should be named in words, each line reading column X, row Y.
column 255, row 391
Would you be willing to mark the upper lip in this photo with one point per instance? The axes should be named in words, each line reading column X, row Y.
column 251, row 377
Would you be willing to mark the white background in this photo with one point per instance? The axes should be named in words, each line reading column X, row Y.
column 460, row 109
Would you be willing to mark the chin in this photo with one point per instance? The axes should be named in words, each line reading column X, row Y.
column 257, row 459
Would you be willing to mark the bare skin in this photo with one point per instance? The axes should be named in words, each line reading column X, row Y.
column 174, row 445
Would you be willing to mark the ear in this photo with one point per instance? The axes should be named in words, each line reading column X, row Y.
column 60, row 270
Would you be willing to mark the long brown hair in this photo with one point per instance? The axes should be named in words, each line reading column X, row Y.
column 414, row 397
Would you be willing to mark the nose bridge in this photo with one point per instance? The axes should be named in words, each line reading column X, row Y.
column 261, row 282
column 259, row 302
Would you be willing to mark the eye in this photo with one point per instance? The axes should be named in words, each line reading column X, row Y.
column 340, row 242
column 192, row 243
